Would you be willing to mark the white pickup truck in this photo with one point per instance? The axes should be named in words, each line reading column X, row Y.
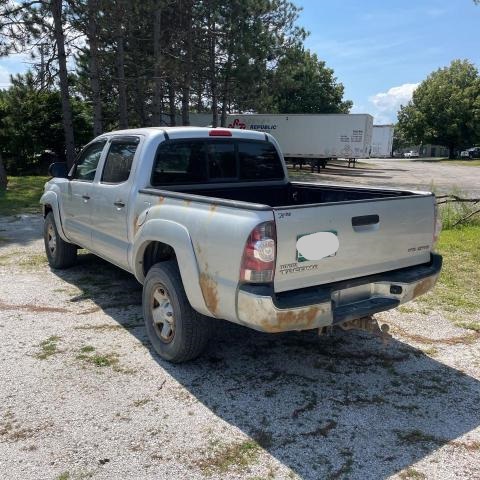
column 209, row 222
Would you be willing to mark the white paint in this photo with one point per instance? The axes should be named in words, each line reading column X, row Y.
column 317, row 245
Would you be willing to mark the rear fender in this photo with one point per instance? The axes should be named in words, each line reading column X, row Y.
column 177, row 236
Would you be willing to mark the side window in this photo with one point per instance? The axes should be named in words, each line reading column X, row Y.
column 180, row 162
column 119, row 160
column 86, row 166
column 259, row 161
column 221, row 160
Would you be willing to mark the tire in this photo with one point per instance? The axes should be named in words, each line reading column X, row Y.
column 176, row 331
column 60, row 253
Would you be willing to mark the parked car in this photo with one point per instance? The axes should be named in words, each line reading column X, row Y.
column 209, row 222
column 473, row 152
column 411, row 154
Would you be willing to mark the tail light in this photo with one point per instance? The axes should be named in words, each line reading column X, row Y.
column 437, row 224
column 258, row 262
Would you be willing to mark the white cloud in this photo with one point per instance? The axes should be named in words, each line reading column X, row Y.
column 386, row 104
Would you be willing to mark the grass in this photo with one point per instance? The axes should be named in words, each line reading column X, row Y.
column 48, row 348
column 451, row 213
column 459, row 283
column 22, row 195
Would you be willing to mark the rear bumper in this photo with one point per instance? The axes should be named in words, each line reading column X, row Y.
column 260, row 308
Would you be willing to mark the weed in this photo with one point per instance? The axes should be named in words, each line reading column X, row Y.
column 98, row 360
column 412, row 474
column 48, row 348
column 33, row 261
column 87, row 349
column 431, row 351
column 235, row 456
column 270, row 393
column 416, row 437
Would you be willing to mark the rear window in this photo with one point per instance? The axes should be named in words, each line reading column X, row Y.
column 202, row 161
column 259, row 161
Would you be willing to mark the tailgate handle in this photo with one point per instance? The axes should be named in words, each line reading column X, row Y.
column 365, row 220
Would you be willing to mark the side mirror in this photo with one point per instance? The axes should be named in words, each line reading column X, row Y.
column 58, row 170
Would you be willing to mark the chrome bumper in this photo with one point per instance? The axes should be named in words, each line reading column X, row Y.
column 260, row 308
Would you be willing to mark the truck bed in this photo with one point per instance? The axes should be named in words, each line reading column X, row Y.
column 292, row 194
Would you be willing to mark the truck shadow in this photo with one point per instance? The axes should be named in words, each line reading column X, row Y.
column 325, row 407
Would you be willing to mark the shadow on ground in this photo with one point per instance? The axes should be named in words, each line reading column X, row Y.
column 331, row 407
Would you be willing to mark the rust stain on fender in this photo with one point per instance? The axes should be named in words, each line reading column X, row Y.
column 424, row 286
column 209, row 291
column 135, row 225
column 161, row 200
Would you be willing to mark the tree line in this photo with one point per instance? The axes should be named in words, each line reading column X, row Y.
column 444, row 110
column 100, row 65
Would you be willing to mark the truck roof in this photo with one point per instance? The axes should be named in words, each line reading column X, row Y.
column 190, row 132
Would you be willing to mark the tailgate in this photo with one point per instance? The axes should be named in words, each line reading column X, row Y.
column 373, row 236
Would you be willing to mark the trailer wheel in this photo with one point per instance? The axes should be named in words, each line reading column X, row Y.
column 176, row 331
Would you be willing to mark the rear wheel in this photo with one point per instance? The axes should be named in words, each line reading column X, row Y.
column 60, row 253
column 177, row 332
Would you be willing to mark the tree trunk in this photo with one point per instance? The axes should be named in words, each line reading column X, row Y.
column 157, row 66
column 3, row 176
column 56, row 9
column 187, row 77
column 213, row 70
column 226, row 81
column 199, row 97
column 451, row 152
column 94, row 69
column 171, row 102
column 122, row 84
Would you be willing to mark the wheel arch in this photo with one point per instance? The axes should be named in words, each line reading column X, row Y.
column 161, row 240
column 49, row 201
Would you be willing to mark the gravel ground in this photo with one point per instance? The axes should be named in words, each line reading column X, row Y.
column 421, row 174
column 83, row 396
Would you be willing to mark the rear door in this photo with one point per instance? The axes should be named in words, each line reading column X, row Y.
column 351, row 239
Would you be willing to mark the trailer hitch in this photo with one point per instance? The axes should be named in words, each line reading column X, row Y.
column 368, row 324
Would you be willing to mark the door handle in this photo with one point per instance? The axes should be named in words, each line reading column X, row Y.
column 365, row 223
column 119, row 204
column 86, row 197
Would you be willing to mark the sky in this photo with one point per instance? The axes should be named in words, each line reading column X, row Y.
column 379, row 49
column 382, row 49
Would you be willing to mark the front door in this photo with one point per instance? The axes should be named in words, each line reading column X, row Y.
column 110, row 198
column 77, row 195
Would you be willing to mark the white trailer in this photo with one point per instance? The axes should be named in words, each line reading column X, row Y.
column 382, row 141
column 313, row 138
